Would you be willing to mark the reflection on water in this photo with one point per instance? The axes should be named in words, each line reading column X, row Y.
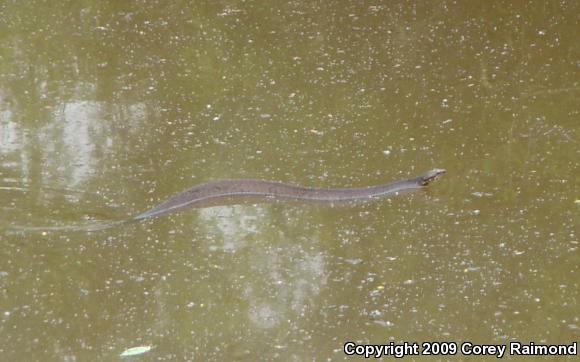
column 10, row 138
column 234, row 224
column 289, row 278
column 108, row 108
column 79, row 136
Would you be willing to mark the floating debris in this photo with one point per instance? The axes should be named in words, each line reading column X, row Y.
column 134, row 351
column 386, row 324
column 481, row 194
column 355, row 261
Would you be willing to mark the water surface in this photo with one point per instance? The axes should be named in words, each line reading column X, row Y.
column 108, row 108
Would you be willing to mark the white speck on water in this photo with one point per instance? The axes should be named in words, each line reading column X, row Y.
column 471, row 269
column 481, row 194
column 386, row 324
column 353, row 261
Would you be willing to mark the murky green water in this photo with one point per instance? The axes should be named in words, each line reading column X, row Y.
column 107, row 108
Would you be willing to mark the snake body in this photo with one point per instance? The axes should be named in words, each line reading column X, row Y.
column 230, row 192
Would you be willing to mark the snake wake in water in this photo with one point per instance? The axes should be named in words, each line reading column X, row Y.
column 233, row 192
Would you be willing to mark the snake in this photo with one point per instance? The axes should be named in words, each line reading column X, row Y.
column 240, row 191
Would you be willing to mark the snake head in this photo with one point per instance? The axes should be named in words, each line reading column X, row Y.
column 431, row 175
